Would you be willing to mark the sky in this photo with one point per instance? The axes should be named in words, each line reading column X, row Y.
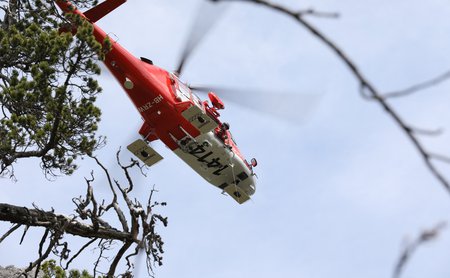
column 338, row 194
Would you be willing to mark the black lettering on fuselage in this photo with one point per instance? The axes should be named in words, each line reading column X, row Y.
column 202, row 159
column 214, row 163
column 218, row 171
column 199, row 152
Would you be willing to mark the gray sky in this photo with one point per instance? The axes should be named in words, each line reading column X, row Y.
column 336, row 195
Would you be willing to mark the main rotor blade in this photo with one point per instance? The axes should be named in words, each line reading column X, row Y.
column 286, row 106
column 208, row 14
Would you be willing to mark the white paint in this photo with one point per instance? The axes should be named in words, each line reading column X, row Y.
column 208, row 148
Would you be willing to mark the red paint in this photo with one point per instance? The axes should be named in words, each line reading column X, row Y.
column 216, row 101
column 152, row 89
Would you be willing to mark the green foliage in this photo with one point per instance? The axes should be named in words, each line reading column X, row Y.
column 47, row 87
column 51, row 270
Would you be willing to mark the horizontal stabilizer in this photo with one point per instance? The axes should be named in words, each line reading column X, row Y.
column 144, row 152
column 99, row 11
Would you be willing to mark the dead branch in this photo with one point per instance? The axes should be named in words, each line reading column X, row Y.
column 313, row 12
column 141, row 231
column 79, row 252
column 9, row 232
column 420, row 86
column 424, row 237
column 47, row 219
column 44, row 256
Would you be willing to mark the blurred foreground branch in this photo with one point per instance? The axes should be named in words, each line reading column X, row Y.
column 368, row 90
column 424, row 237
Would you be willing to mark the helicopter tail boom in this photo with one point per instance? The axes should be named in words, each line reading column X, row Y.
column 94, row 14
column 99, row 11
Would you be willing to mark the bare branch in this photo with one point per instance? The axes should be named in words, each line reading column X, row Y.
column 103, row 246
column 125, row 169
column 9, row 232
column 114, row 204
column 439, row 157
column 143, row 222
column 80, row 251
column 410, row 249
column 428, row 132
column 420, row 86
column 113, row 266
column 312, row 12
column 25, row 230
column 44, row 256
column 41, row 246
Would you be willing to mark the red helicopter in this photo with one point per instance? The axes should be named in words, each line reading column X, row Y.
column 172, row 113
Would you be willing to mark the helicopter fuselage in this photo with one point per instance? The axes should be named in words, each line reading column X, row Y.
column 173, row 114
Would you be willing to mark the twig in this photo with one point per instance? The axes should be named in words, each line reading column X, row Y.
column 41, row 244
column 409, row 250
column 420, row 86
column 9, row 232
column 25, row 230
column 44, row 256
column 113, row 266
column 79, row 252
column 102, row 248
column 439, row 157
column 315, row 13
column 428, row 132
column 125, row 170
column 114, row 203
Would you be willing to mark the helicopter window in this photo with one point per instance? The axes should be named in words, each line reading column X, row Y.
column 242, row 176
column 182, row 90
column 186, row 93
column 196, row 99
column 234, row 141
column 231, row 137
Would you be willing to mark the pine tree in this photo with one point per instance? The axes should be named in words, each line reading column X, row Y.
column 47, row 87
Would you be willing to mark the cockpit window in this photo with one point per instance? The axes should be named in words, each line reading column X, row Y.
column 231, row 137
column 184, row 90
column 196, row 98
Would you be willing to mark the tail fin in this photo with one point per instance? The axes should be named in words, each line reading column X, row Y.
column 103, row 9
column 93, row 14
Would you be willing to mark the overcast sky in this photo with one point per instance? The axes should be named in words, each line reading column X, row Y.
column 337, row 195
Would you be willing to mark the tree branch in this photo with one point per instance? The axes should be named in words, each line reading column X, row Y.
column 420, row 86
column 9, row 232
column 141, row 233
column 424, row 237
column 47, row 219
column 80, row 251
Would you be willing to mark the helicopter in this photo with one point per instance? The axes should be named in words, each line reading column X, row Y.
column 174, row 114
